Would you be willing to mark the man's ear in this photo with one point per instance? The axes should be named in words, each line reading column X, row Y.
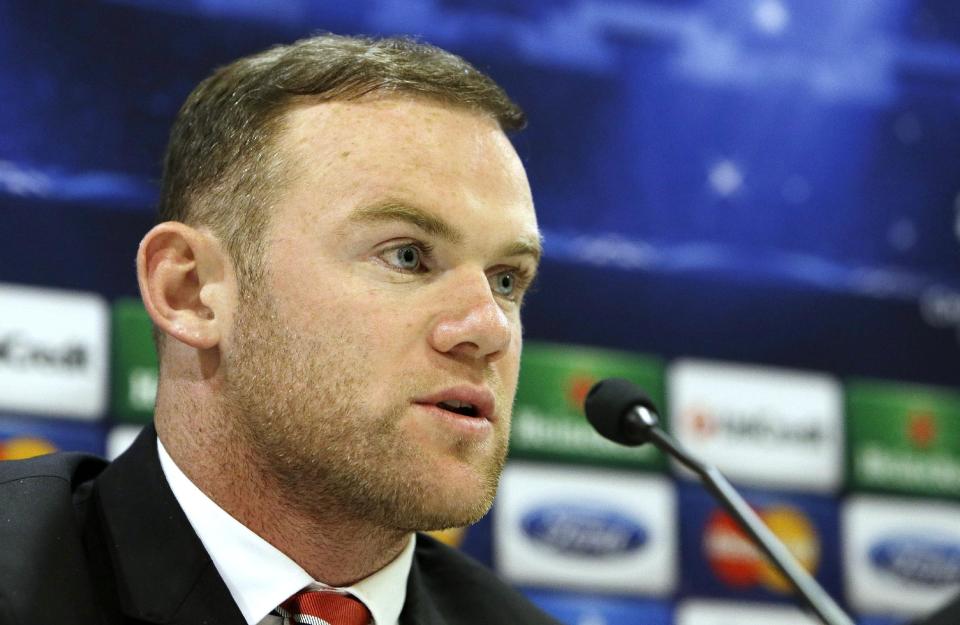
column 186, row 282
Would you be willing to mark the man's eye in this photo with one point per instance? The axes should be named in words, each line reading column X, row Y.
column 505, row 283
column 406, row 258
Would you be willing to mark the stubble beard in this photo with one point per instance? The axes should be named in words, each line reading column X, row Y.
column 298, row 405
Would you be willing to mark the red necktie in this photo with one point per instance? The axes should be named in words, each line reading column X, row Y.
column 314, row 607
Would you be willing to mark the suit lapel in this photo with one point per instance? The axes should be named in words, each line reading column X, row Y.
column 162, row 572
column 419, row 607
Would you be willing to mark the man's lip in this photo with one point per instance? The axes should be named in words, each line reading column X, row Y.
column 481, row 399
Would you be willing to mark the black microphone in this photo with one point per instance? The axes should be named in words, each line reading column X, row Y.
column 621, row 412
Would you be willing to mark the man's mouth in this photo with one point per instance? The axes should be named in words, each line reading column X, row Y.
column 459, row 407
column 466, row 401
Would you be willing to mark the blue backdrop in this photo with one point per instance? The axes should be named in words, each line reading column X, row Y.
column 770, row 181
column 762, row 181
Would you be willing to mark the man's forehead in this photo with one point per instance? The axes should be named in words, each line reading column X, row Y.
column 403, row 135
column 398, row 110
column 444, row 168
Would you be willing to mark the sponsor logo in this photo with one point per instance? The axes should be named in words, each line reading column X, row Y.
column 586, row 528
column 737, row 562
column 763, row 426
column 53, row 352
column 701, row 424
column 935, row 472
column 537, row 430
column 21, row 352
column 577, row 386
column 753, row 427
column 902, row 555
column 714, row 612
column 921, row 429
column 928, row 561
column 584, row 531
column 25, row 447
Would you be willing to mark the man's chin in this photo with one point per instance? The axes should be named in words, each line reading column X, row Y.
column 452, row 504
column 435, row 520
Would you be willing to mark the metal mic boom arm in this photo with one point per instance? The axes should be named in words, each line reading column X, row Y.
column 642, row 424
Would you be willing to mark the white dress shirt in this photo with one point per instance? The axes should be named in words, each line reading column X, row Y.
column 259, row 576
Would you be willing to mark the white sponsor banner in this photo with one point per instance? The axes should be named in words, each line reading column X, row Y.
column 54, row 348
column 902, row 555
column 760, row 426
column 601, row 530
column 708, row 612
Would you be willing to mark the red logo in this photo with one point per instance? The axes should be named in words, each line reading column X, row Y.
column 922, row 429
column 736, row 562
column 700, row 423
column 578, row 385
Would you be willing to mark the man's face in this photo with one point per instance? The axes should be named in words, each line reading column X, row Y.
column 397, row 258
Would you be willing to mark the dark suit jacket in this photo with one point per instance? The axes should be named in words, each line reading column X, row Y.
column 87, row 543
column 947, row 615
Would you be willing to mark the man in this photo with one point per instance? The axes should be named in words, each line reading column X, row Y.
column 346, row 237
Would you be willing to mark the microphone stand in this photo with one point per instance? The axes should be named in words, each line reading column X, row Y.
column 641, row 424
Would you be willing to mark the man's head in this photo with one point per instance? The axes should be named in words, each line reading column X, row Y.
column 223, row 169
column 366, row 358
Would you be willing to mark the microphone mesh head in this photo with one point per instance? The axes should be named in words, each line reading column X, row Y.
column 607, row 403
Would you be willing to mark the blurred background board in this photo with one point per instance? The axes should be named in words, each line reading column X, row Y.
column 770, row 186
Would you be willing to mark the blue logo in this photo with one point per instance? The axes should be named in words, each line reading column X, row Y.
column 928, row 561
column 584, row 531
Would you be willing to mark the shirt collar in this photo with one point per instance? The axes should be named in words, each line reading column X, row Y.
column 258, row 575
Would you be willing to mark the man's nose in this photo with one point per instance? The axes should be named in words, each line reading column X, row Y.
column 472, row 324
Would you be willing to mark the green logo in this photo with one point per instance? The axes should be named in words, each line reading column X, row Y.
column 134, row 363
column 904, row 438
column 548, row 420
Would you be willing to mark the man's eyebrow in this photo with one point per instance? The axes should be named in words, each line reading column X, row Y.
column 413, row 215
column 392, row 210
column 527, row 246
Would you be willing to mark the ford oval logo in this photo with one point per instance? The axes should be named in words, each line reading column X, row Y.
column 929, row 561
column 582, row 530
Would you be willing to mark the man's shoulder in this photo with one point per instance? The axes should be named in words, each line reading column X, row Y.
column 38, row 494
column 61, row 472
column 42, row 503
column 460, row 585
